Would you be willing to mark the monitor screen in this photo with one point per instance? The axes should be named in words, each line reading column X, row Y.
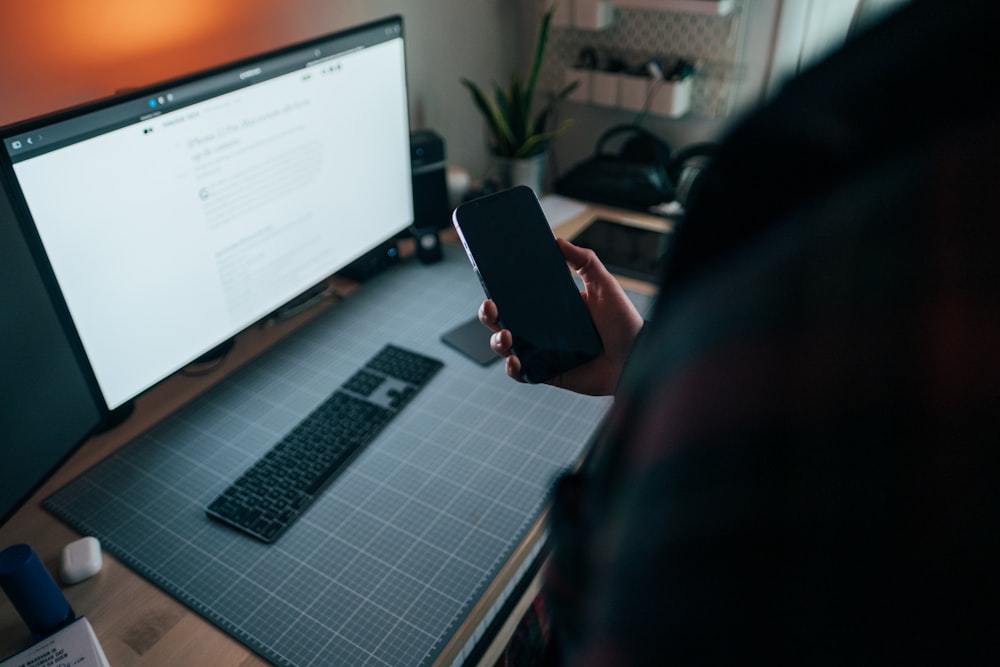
column 174, row 217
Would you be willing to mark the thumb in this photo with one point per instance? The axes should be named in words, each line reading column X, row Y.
column 586, row 263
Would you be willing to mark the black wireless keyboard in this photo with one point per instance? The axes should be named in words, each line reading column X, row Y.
column 280, row 485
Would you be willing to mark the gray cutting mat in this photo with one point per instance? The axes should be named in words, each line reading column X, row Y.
column 386, row 565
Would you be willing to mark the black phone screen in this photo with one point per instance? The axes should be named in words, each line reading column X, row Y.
column 521, row 268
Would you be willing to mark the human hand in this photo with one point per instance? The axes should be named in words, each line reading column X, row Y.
column 616, row 318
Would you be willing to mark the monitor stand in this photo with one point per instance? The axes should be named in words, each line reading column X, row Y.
column 216, row 353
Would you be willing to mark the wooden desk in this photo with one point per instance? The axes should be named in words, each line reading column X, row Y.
column 136, row 622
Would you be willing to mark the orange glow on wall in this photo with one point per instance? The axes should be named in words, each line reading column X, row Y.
column 57, row 53
column 100, row 31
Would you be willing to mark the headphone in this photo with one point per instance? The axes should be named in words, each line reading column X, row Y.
column 642, row 145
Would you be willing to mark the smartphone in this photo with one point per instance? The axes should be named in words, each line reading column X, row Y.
column 515, row 255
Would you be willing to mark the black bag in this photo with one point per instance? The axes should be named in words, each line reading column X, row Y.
column 643, row 173
column 634, row 177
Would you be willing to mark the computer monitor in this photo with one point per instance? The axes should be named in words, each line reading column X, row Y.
column 166, row 220
column 174, row 217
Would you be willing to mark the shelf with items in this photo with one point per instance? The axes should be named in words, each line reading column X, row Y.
column 631, row 92
column 712, row 7
column 640, row 35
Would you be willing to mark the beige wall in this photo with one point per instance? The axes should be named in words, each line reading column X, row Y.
column 58, row 53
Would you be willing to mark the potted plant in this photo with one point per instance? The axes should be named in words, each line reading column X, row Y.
column 517, row 137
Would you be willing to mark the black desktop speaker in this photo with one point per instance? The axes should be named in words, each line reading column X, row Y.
column 430, row 193
column 430, row 183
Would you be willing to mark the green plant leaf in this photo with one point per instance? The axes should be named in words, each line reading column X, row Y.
column 506, row 139
column 512, row 130
column 536, row 63
column 541, row 121
column 490, row 112
column 537, row 143
column 516, row 118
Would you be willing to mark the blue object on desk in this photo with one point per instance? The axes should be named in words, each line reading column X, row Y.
column 33, row 591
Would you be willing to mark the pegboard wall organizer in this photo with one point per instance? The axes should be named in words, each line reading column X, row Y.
column 705, row 32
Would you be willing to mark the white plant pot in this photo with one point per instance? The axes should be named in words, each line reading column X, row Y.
column 523, row 171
